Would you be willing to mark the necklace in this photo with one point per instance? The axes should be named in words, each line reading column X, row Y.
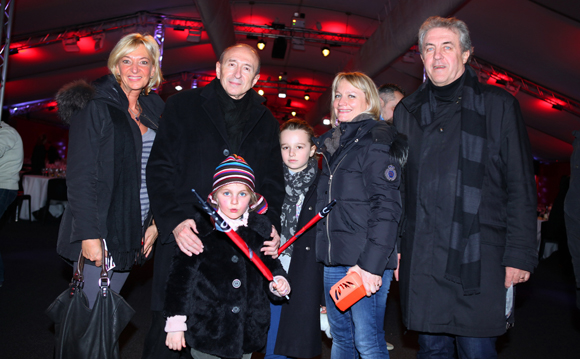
column 136, row 116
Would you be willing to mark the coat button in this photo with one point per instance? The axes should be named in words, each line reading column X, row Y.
column 235, row 259
column 307, row 248
column 235, row 310
column 310, row 208
column 236, row 283
column 226, row 152
column 440, row 129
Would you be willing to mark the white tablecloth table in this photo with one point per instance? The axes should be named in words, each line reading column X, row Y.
column 37, row 187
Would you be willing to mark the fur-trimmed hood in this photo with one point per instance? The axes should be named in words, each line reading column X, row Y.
column 75, row 95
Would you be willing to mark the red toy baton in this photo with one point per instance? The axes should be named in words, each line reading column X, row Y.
column 323, row 213
column 223, row 226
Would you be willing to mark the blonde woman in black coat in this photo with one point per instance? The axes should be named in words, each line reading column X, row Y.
column 112, row 125
column 361, row 169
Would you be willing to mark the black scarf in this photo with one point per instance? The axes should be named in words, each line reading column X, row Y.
column 464, row 256
column 297, row 185
column 236, row 115
column 124, row 217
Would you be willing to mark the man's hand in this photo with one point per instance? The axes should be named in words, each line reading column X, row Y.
column 270, row 248
column 186, row 238
column 93, row 251
column 396, row 272
column 372, row 282
column 150, row 236
column 515, row 276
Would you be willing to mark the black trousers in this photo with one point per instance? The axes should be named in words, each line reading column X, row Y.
column 155, row 347
column 573, row 232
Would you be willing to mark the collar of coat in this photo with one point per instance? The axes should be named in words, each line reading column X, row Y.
column 347, row 131
column 212, row 108
column 414, row 101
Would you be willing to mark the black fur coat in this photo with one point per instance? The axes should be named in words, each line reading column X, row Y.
column 223, row 294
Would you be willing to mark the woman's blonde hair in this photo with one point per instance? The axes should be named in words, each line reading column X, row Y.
column 130, row 43
column 363, row 83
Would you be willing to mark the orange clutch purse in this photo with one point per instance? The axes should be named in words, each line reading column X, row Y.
column 347, row 291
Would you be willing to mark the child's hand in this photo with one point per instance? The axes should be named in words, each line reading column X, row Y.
column 175, row 340
column 280, row 286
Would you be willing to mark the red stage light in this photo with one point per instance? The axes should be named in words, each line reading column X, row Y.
column 254, row 20
column 86, row 44
column 337, row 27
column 32, row 53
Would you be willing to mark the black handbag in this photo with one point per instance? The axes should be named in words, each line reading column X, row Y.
column 84, row 333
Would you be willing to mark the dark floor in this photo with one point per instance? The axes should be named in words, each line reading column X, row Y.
column 547, row 323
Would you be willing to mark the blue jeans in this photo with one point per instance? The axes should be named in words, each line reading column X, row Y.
column 275, row 313
column 441, row 346
column 359, row 328
column 7, row 196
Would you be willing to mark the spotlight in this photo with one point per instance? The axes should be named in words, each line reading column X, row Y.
column 326, row 121
column 194, row 35
column 70, row 44
column 293, row 113
column 483, row 77
column 501, row 82
column 325, row 51
column 307, row 95
column 194, row 84
column 512, row 88
column 298, row 20
column 298, row 44
column 261, row 92
column 289, row 103
column 99, row 40
column 558, row 107
column 261, row 45
column 282, row 92
column 178, row 88
column 283, row 76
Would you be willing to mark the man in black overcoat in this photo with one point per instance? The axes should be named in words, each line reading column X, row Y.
column 572, row 212
column 201, row 127
column 470, row 202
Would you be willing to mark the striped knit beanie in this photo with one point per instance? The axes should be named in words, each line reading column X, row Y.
column 235, row 169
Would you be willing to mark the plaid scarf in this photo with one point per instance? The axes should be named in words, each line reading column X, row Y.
column 464, row 255
column 296, row 186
